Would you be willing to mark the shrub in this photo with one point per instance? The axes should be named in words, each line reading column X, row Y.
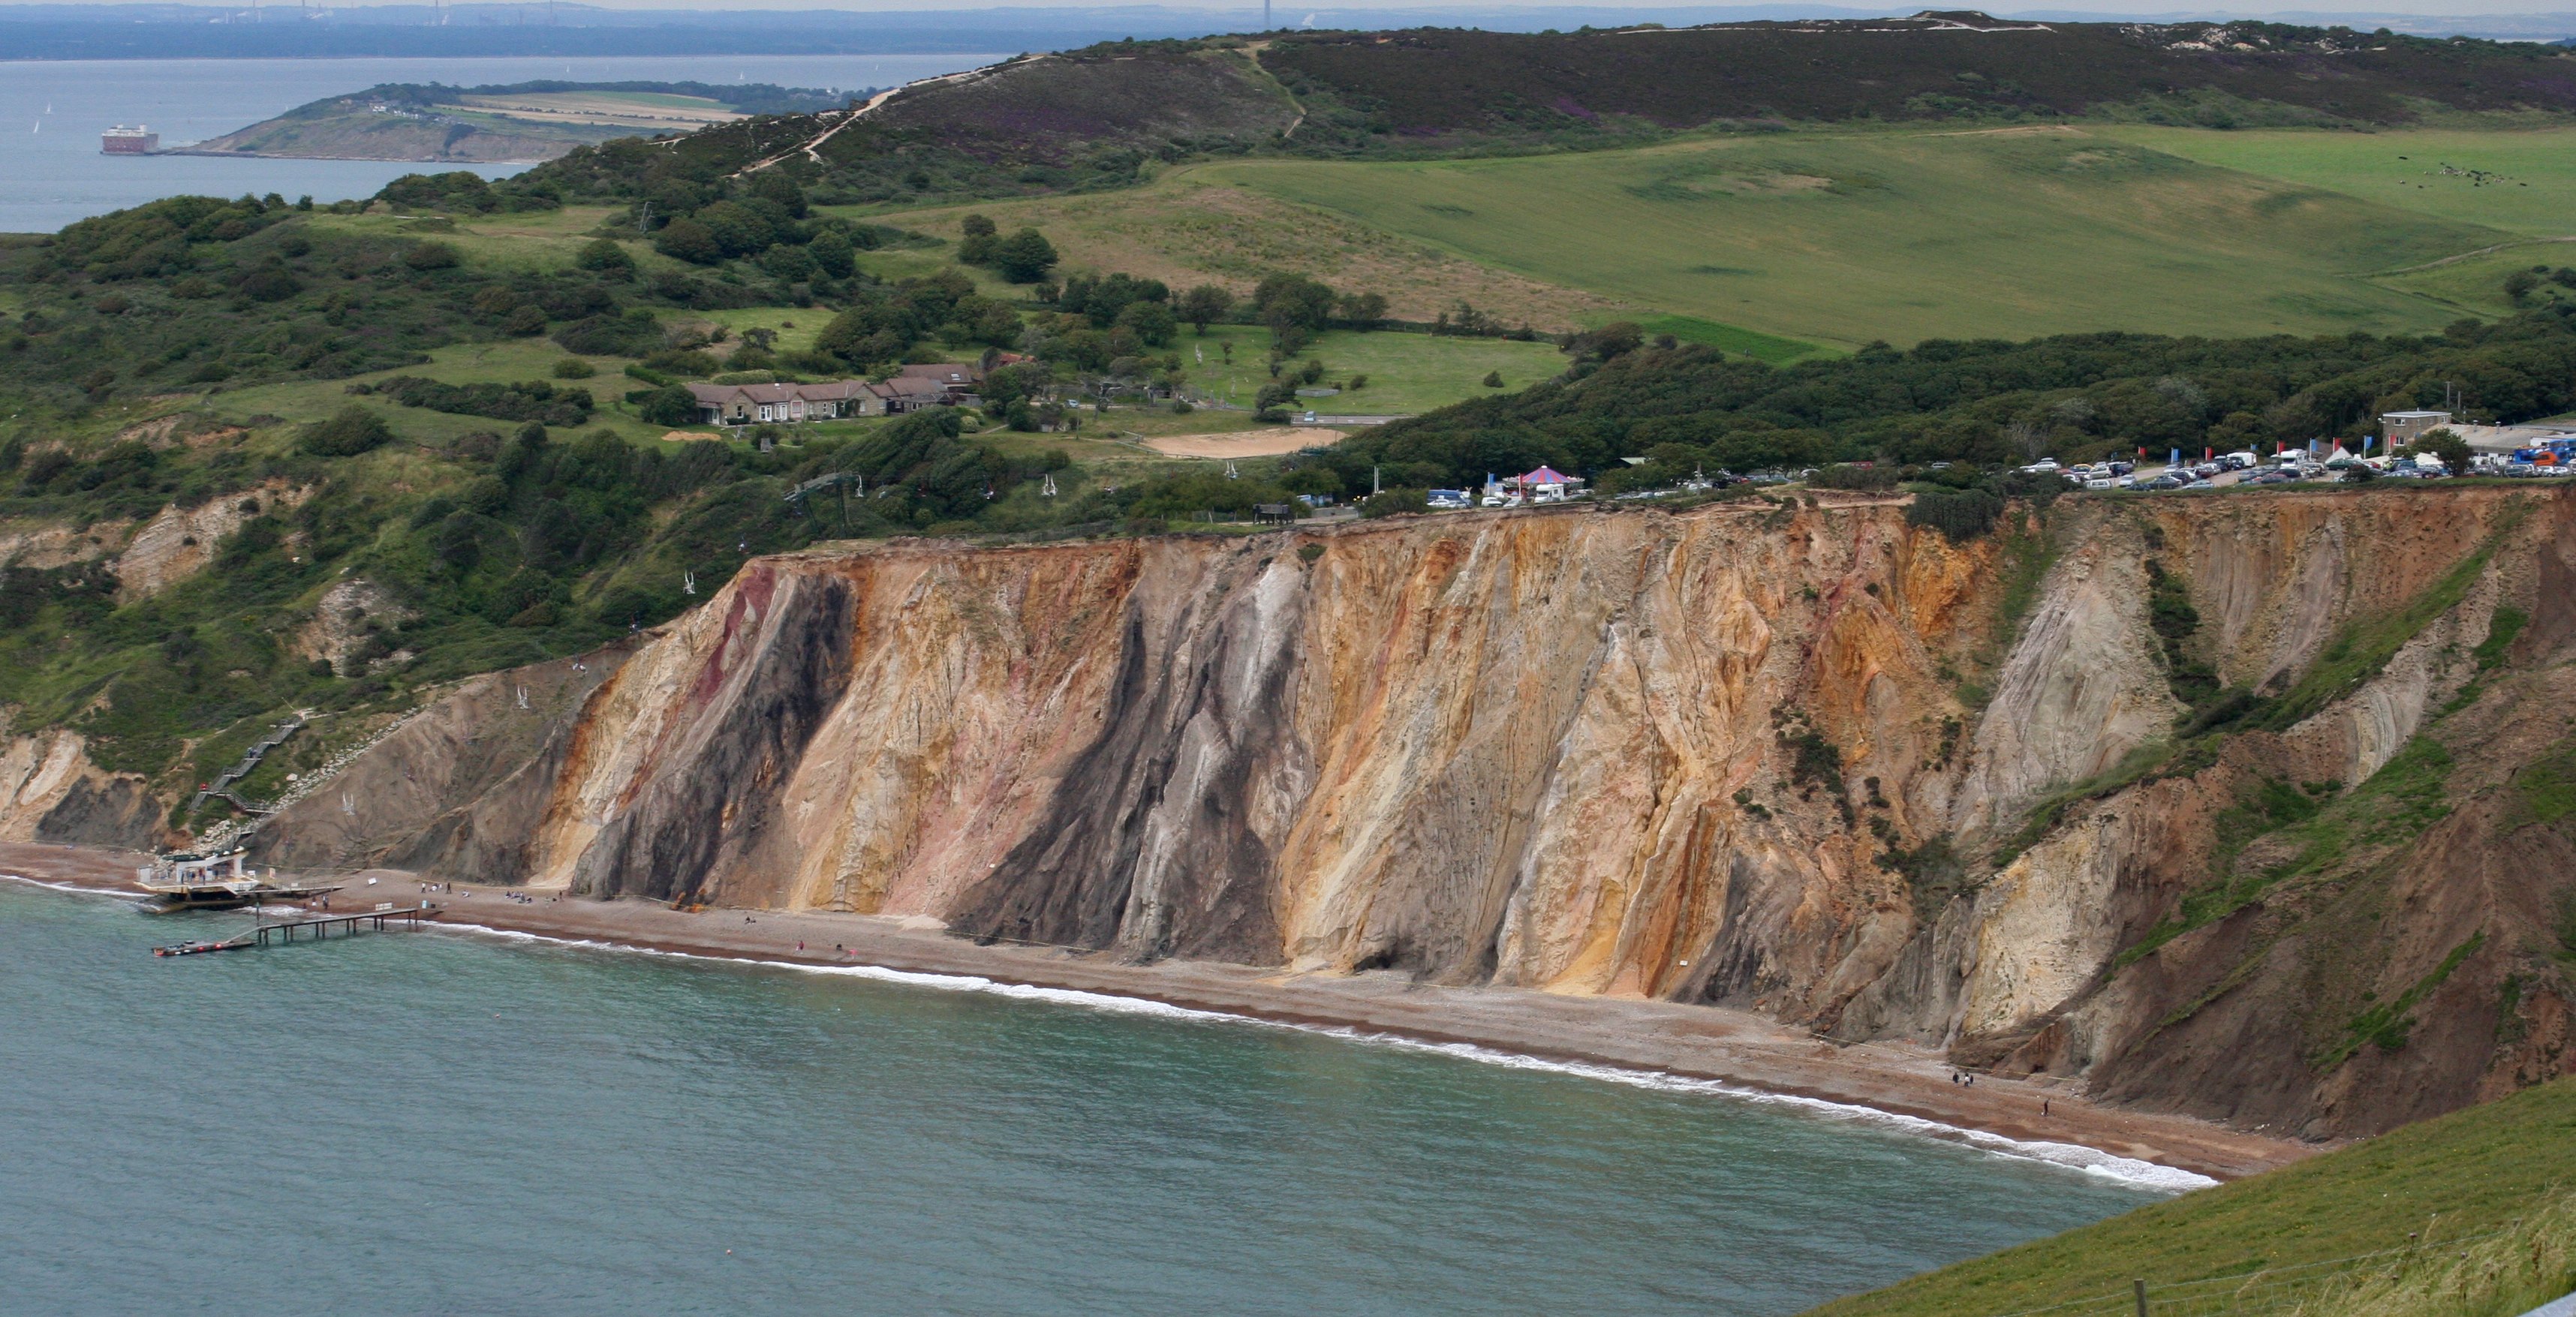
column 456, row 190
column 532, row 400
column 670, row 405
column 1024, row 257
column 634, row 334
column 688, row 240
column 1389, row 502
column 350, row 431
column 1961, row 514
column 604, row 256
column 831, row 252
column 573, row 368
column 431, row 256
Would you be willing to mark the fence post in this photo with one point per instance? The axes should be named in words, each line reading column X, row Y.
column 2139, row 1287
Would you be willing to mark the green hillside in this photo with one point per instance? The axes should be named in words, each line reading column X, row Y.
column 1849, row 237
column 2524, row 180
column 2446, row 1181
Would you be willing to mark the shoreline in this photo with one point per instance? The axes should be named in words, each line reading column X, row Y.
column 1660, row 1044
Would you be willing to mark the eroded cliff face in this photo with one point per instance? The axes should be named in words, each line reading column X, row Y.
column 51, row 792
column 1717, row 756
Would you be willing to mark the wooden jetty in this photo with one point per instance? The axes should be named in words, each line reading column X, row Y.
column 286, row 930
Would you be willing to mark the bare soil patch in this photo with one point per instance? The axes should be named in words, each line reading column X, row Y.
column 1246, row 443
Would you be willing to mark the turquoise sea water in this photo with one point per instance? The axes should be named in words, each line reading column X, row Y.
column 449, row 1122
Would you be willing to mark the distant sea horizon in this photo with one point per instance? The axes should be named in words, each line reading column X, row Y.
column 52, row 112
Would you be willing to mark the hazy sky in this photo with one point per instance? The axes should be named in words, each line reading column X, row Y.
column 1288, row 11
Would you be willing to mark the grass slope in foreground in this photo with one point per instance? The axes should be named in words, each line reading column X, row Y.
column 1851, row 236
column 2470, row 1173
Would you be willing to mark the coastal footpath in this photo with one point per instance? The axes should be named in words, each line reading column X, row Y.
column 2242, row 808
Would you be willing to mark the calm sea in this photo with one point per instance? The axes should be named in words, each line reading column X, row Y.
column 51, row 115
column 453, row 1122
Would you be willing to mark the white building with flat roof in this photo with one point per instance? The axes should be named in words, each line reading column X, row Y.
column 2403, row 427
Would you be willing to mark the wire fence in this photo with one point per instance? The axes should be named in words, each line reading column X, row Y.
column 2269, row 1290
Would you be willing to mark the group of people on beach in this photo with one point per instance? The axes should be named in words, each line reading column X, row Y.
column 520, row 897
column 1965, row 1079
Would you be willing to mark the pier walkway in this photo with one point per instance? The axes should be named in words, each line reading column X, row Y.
column 285, row 930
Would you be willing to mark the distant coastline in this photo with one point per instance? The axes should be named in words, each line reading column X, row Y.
column 515, row 123
column 369, row 159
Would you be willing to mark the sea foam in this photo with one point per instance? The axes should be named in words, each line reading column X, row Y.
column 2076, row 1157
column 2094, row 1162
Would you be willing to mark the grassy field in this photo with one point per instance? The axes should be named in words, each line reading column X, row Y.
column 2533, row 193
column 1184, row 230
column 1407, row 373
column 540, row 240
column 2474, row 284
column 2465, row 1175
column 1846, row 237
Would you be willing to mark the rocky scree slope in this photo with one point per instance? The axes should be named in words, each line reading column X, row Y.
column 2268, row 816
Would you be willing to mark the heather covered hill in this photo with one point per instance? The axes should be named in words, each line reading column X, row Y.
column 1432, row 83
column 1037, row 123
column 1101, row 115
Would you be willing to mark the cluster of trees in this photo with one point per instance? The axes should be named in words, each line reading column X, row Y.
column 1024, row 257
column 463, row 190
column 2075, row 397
column 194, row 291
column 920, row 471
column 764, row 222
column 1143, row 307
column 529, row 400
column 2521, row 284
column 1296, row 308
column 884, row 321
column 159, row 239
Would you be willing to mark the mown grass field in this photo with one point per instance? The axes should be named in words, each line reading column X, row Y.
column 2468, row 1174
column 1843, row 237
column 2533, row 193
column 1407, row 373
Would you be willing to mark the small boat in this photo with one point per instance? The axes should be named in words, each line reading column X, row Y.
column 197, row 948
